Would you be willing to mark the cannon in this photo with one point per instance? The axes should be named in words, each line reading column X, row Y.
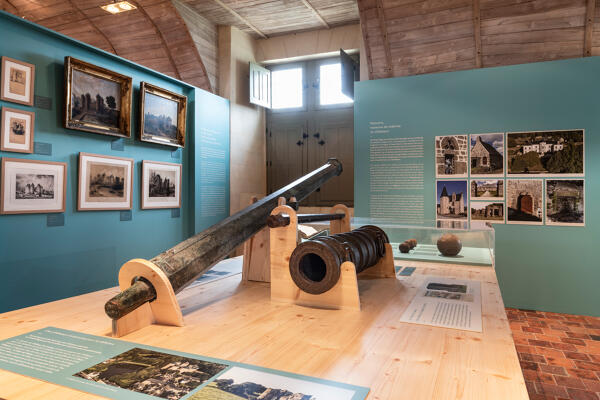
column 188, row 260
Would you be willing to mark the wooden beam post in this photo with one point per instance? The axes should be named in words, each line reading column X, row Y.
column 244, row 20
column 316, row 13
column 589, row 27
column 386, row 43
column 365, row 40
column 477, row 33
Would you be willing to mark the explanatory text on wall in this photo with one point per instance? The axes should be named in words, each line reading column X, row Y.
column 213, row 174
column 397, row 174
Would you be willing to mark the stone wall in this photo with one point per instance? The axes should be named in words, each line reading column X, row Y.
column 457, row 146
column 517, row 187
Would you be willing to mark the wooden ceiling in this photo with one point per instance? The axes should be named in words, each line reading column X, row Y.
column 408, row 37
column 265, row 18
column 154, row 35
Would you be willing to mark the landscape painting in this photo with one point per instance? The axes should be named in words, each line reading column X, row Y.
column 451, row 156
column 163, row 116
column 249, row 384
column 524, row 201
column 487, row 154
column 162, row 375
column 565, row 202
column 545, row 153
column 487, row 189
column 105, row 182
column 17, row 81
column 451, row 200
column 17, row 130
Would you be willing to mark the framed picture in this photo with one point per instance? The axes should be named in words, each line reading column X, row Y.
column 452, row 202
column 18, row 79
column 484, row 212
column 487, row 155
column 451, row 156
column 545, row 153
column 33, row 186
column 97, row 100
column 163, row 116
column 105, row 182
column 161, row 185
column 524, row 201
column 565, row 202
column 487, row 189
column 17, row 130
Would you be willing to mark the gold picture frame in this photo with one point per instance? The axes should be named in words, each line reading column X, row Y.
column 18, row 81
column 17, row 130
column 158, row 108
column 107, row 109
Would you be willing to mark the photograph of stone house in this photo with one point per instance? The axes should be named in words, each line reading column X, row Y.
column 451, row 200
column 451, row 156
column 487, row 154
column 487, row 189
column 487, row 211
column 524, row 201
column 565, row 202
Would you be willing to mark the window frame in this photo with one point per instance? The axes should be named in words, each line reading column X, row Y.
column 318, row 105
column 281, row 67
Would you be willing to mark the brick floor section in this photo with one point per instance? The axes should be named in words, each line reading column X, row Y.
column 559, row 354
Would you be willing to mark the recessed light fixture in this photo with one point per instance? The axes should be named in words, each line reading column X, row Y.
column 121, row 6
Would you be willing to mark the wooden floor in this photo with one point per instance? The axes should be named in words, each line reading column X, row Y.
column 234, row 321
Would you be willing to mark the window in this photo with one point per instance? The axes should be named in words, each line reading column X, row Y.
column 287, row 88
column 331, row 85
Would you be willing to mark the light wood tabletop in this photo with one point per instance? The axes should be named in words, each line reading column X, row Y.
column 237, row 321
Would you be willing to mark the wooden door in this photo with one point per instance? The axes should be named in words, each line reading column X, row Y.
column 526, row 204
column 286, row 156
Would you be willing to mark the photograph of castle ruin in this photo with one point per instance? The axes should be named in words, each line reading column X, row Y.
column 488, row 189
column 153, row 373
column 95, row 100
column 161, row 183
column 487, row 211
column 565, row 202
column 160, row 116
column 34, row 186
column 451, row 200
column 487, row 154
column 524, row 201
column 249, row 384
column 106, row 182
column 547, row 153
column 451, row 156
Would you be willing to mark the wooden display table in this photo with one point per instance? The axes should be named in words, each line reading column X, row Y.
column 237, row 321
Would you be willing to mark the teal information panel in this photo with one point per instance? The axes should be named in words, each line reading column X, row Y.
column 542, row 267
column 127, row 371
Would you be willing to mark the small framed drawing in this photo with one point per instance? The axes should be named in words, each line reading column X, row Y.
column 105, row 182
column 16, row 133
column 17, row 83
column 97, row 100
column 161, row 185
column 33, row 186
column 163, row 116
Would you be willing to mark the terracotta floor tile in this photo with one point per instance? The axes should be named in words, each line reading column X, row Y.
column 578, row 394
column 569, row 382
column 592, row 386
column 582, row 373
column 550, row 390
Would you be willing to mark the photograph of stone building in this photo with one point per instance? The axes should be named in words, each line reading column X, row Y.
column 488, row 189
column 451, row 156
column 487, row 154
column 565, row 202
column 487, row 211
column 451, row 200
column 524, row 201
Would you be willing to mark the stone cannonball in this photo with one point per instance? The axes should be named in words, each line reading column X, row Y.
column 404, row 247
column 412, row 243
column 449, row 244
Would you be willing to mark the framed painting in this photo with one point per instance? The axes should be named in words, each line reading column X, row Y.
column 161, row 185
column 16, row 133
column 97, row 100
column 17, row 83
column 32, row 186
column 163, row 116
column 105, row 182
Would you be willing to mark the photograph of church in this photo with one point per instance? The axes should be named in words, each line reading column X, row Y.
column 451, row 200
column 487, row 154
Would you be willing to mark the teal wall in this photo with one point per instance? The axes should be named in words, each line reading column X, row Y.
column 546, row 268
column 40, row 263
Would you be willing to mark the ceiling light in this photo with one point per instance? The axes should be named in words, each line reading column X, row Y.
column 115, row 8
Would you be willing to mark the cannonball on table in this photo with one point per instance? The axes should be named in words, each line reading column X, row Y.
column 449, row 245
column 404, row 247
column 412, row 243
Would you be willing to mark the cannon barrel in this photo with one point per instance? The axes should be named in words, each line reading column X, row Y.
column 186, row 261
column 279, row 220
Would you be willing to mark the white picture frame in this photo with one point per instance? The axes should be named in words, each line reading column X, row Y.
column 105, row 183
column 161, row 185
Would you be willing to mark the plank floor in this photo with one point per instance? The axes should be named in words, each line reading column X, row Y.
column 559, row 354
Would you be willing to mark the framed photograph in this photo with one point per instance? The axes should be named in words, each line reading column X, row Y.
column 105, row 182
column 487, row 155
column 487, row 189
column 452, row 200
column 97, row 100
column 524, row 201
column 16, row 133
column 451, row 156
column 161, row 185
column 545, row 153
column 565, row 202
column 163, row 116
column 18, row 81
column 33, row 186
column 483, row 212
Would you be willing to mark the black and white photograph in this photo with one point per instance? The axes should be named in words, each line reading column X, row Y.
column 161, row 185
column 248, row 384
column 524, row 201
column 163, row 118
column 105, row 182
column 32, row 186
column 565, row 202
column 16, row 133
column 163, row 375
column 545, row 153
column 451, row 156
column 487, row 189
column 487, row 154
column 452, row 200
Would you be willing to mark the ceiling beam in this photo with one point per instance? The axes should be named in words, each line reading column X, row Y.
column 93, row 25
column 244, row 20
column 589, row 27
column 365, row 41
column 477, row 33
column 316, row 13
column 386, row 42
